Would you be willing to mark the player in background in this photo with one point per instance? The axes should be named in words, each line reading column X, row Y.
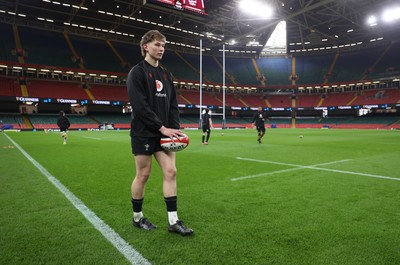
column 258, row 121
column 207, row 125
column 154, row 113
column 63, row 123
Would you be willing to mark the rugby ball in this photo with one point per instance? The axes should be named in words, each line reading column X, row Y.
column 176, row 144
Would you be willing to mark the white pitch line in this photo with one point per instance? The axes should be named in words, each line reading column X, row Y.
column 94, row 138
column 297, row 167
column 132, row 255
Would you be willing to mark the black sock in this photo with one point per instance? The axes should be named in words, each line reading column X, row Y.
column 137, row 205
column 202, row 139
column 171, row 202
column 208, row 136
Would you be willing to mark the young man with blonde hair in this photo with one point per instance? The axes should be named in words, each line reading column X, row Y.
column 154, row 114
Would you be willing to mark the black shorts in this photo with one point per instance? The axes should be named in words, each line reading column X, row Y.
column 206, row 129
column 261, row 129
column 145, row 145
column 63, row 129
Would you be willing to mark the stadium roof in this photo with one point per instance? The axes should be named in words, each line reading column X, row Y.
column 312, row 26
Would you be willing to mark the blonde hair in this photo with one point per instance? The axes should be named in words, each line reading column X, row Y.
column 149, row 37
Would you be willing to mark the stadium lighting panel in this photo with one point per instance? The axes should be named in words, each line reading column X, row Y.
column 256, row 8
column 391, row 14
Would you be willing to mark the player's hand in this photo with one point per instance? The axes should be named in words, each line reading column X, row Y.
column 171, row 133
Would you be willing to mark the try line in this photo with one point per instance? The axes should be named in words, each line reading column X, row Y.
column 298, row 167
column 115, row 239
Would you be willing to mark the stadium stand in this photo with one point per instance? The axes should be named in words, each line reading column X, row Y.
column 7, row 43
column 45, row 48
column 351, row 66
column 9, row 87
column 55, row 89
column 389, row 65
column 242, row 69
column 109, row 92
column 255, row 101
column 338, row 99
column 307, row 100
column 379, row 96
column 107, row 61
column 312, row 69
column 280, row 101
column 40, row 121
column 276, row 70
column 178, row 68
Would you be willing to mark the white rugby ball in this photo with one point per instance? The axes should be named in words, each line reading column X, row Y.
column 176, row 144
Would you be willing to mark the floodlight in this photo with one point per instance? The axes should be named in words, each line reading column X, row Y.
column 256, row 8
column 391, row 14
column 372, row 21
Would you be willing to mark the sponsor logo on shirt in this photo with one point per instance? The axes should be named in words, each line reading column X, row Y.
column 160, row 87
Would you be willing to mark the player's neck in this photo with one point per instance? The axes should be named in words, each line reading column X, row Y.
column 151, row 61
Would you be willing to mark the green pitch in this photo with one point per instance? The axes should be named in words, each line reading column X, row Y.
column 331, row 197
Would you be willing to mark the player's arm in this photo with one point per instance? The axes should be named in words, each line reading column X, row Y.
column 138, row 98
column 210, row 121
column 173, row 118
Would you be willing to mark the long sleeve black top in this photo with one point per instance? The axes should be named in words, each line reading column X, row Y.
column 153, row 99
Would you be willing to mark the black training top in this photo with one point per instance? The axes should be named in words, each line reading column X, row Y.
column 205, row 119
column 153, row 99
column 63, row 122
column 258, row 118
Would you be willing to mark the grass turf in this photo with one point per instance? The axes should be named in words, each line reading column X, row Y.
column 283, row 212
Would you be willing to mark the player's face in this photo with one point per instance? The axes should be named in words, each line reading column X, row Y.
column 155, row 49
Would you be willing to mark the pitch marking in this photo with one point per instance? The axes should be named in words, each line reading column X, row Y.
column 132, row 255
column 94, row 138
column 315, row 167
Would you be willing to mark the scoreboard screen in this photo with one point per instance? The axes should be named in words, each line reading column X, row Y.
column 190, row 6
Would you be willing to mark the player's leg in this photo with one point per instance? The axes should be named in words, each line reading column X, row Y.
column 143, row 169
column 259, row 135
column 166, row 160
column 262, row 131
column 142, row 148
column 208, row 135
column 63, row 133
column 204, row 135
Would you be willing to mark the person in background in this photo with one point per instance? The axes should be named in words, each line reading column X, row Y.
column 206, row 126
column 155, row 114
column 64, row 124
column 258, row 122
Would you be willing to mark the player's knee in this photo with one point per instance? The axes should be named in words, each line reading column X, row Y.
column 170, row 173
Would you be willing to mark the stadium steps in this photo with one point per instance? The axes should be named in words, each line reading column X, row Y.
column 395, row 122
column 220, row 100
column 24, row 91
column 230, row 76
column 18, row 43
column 365, row 74
column 258, row 71
column 267, row 102
column 71, row 47
column 330, row 71
column 94, row 119
column 191, row 66
column 185, row 99
column 320, row 102
column 351, row 101
column 243, row 102
column 89, row 93
column 122, row 61
column 27, row 122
